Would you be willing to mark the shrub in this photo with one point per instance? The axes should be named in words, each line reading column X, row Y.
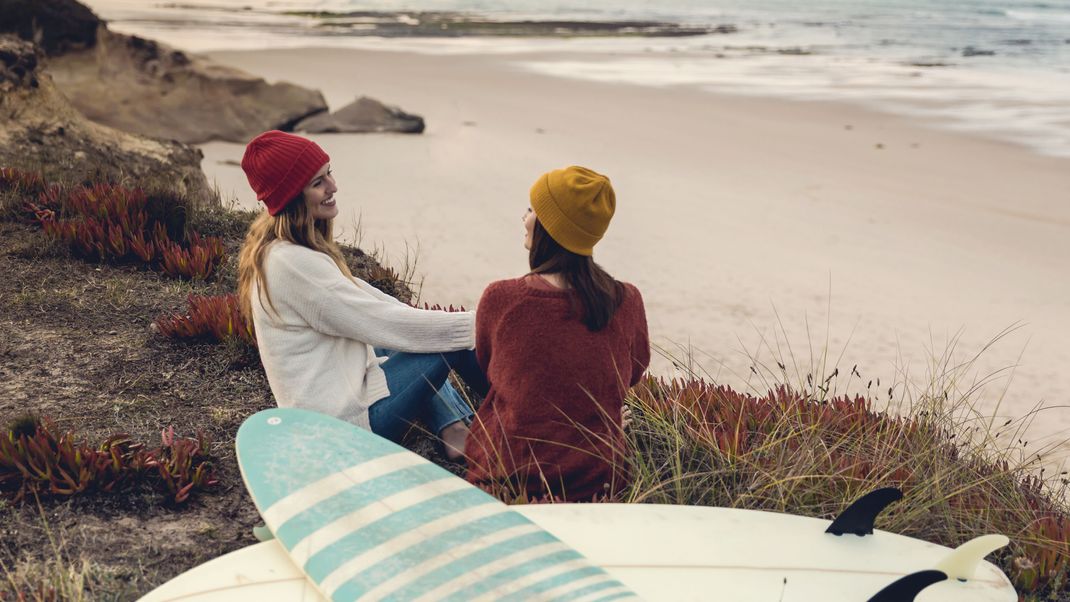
column 382, row 277
column 16, row 187
column 437, row 307
column 15, row 180
column 107, row 222
column 98, row 222
column 182, row 464
column 208, row 318
column 44, row 462
column 198, row 261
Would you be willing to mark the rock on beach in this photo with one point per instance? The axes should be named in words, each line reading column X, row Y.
column 361, row 116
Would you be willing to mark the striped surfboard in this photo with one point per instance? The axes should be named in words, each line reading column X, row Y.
column 366, row 519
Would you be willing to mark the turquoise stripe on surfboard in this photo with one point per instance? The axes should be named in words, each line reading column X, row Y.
column 617, row 596
column 433, row 547
column 511, row 574
column 552, row 582
column 590, row 589
column 330, row 558
column 311, row 519
column 307, row 458
column 482, row 557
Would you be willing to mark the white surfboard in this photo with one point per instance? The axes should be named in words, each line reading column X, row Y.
column 258, row 573
column 665, row 553
column 700, row 553
column 362, row 518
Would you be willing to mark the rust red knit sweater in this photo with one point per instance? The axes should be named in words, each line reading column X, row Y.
column 550, row 423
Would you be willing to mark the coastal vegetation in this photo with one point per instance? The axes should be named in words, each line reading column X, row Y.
column 38, row 461
column 95, row 349
column 89, row 386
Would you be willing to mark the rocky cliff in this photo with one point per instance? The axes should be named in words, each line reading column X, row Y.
column 142, row 86
column 40, row 130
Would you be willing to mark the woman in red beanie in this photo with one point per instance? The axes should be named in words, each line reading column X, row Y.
column 329, row 341
column 560, row 347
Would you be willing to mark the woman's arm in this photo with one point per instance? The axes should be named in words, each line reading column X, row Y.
column 486, row 317
column 312, row 286
column 378, row 294
column 641, row 342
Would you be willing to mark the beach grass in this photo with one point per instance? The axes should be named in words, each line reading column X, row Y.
column 796, row 446
column 58, row 578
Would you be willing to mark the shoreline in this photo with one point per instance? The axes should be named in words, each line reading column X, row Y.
column 1004, row 99
column 1001, row 73
column 735, row 214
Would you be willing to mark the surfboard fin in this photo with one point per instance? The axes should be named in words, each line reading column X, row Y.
column 962, row 562
column 906, row 588
column 859, row 516
column 262, row 533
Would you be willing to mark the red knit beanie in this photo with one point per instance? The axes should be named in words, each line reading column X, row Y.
column 280, row 165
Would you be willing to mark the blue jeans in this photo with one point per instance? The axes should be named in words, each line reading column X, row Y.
column 419, row 390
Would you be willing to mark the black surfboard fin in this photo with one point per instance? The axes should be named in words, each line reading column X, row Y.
column 859, row 516
column 905, row 588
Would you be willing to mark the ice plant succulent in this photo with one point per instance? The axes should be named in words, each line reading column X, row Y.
column 183, row 464
column 215, row 318
column 47, row 462
column 112, row 223
column 21, row 182
column 197, row 261
column 36, row 459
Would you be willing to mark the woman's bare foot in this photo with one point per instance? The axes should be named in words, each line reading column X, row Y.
column 625, row 417
column 453, row 438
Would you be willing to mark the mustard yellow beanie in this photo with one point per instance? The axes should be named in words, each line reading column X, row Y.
column 574, row 205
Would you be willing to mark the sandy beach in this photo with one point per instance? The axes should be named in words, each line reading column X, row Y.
column 750, row 225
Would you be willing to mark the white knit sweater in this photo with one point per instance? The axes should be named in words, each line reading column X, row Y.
column 316, row 346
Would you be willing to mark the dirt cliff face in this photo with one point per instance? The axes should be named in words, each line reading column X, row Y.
column 56, row 26
column 40, row 130
column 142, row 86
column 147, row 88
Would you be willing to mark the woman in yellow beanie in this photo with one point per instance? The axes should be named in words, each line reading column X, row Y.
column 560, row 347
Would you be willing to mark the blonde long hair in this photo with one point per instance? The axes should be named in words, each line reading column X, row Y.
column 294, row 224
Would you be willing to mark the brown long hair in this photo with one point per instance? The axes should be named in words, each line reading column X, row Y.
column 600, row 295
column 294, row 224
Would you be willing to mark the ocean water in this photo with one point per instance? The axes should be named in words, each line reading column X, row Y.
column 998, row 68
